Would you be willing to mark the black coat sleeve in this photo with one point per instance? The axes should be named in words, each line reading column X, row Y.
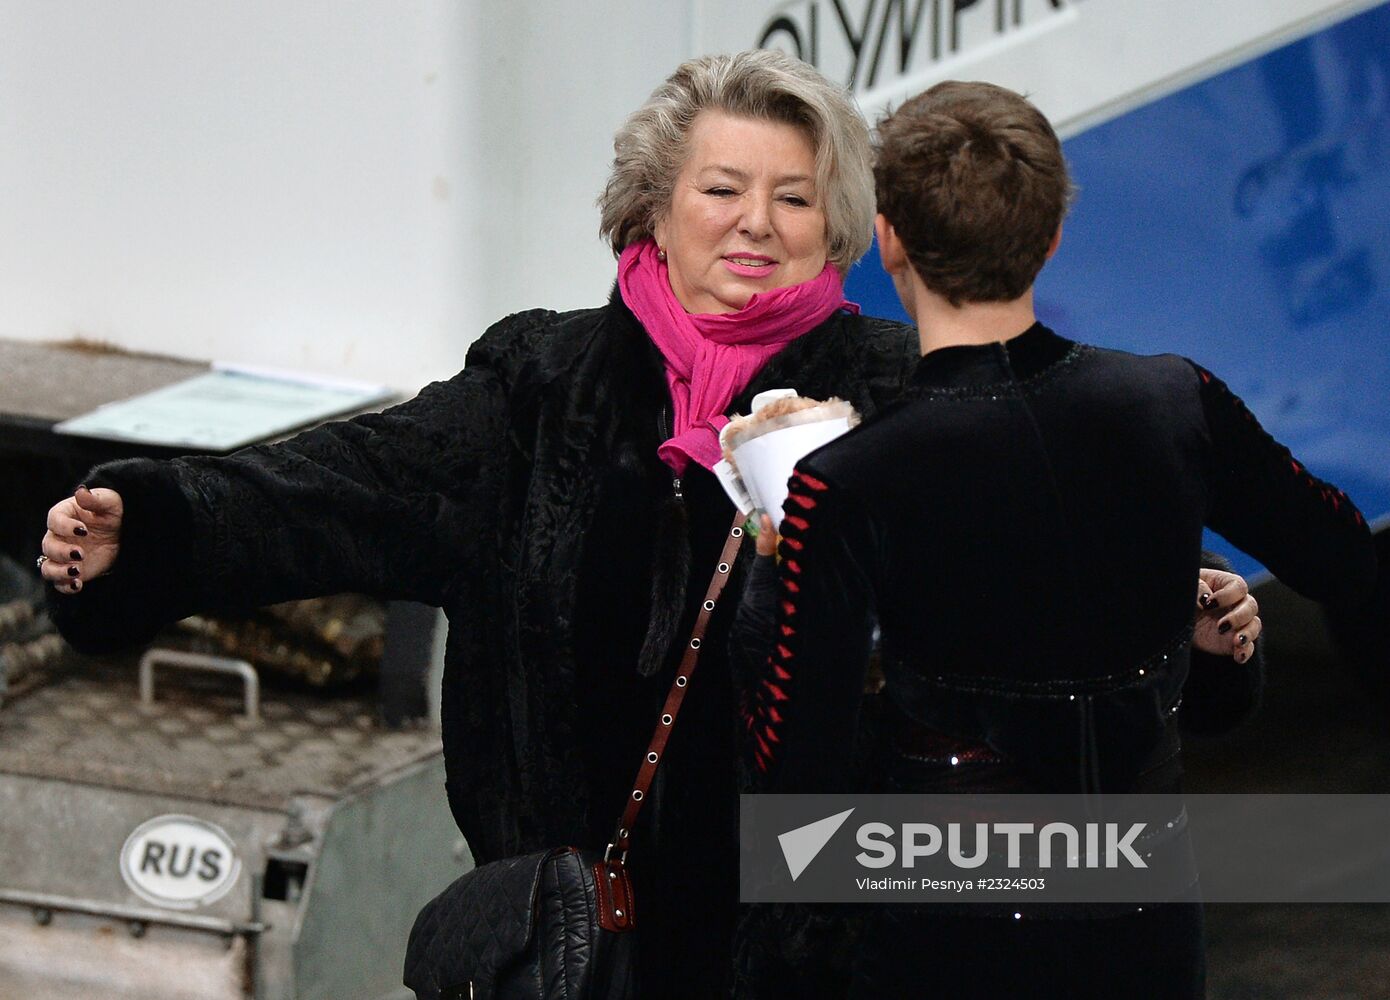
column 1307, row 531
column 375, row 505
column 801, row 701
column 750, row 635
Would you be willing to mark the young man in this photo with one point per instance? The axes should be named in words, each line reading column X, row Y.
column 1021, row 470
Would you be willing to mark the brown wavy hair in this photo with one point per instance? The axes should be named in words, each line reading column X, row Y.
column 972, row 178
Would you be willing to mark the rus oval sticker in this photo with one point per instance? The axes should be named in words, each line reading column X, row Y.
column 179, row 862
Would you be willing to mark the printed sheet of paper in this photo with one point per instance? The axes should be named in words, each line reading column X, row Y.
column 224, row 409
column 766, row 462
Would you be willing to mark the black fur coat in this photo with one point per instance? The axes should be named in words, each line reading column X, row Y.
column 524, row 497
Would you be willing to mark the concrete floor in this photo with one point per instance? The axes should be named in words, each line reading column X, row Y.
column 1321, row 729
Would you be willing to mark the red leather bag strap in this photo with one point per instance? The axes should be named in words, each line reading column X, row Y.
column 641, row 785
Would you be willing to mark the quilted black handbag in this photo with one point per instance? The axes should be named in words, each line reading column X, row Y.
column 521, row 928
column 556, row 925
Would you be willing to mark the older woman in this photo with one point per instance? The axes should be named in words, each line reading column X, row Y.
column 554, row 499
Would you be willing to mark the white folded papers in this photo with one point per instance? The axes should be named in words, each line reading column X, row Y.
column 761, row 450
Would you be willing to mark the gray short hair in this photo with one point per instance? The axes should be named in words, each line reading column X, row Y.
column 649, row 149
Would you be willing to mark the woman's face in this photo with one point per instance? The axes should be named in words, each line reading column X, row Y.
column 745, row 215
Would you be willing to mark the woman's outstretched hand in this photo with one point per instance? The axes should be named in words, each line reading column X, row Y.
column 83, row 537
column 1228, row 618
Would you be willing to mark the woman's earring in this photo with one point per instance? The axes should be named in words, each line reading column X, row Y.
column 661, row 253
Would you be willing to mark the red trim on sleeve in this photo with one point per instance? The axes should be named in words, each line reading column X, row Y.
column 778, row 686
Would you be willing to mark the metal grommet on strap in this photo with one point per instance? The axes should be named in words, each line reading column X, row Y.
column 709, row 605
column 651, row 757
column 723, row 567
column 681, row 681
column 737, row 532
column 695, row 642
column 666, row 720
column 637, row 795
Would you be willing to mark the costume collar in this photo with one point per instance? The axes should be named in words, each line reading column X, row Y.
column 1030, row 353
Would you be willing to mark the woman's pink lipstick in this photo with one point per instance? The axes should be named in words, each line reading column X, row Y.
column 748, row 270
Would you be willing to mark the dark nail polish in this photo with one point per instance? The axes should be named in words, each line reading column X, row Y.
column 80, row 531
column 1206, row 600
column 73, row 571
column 1224, row 627
column 75, row 556
column 73, row 585
column 1240, row 640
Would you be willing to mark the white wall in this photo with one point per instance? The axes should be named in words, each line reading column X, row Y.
column 359, row 187
column 349, row 188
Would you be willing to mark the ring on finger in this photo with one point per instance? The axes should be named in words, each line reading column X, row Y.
column 40, row 561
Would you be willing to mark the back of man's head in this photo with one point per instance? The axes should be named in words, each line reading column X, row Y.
column 972, row 178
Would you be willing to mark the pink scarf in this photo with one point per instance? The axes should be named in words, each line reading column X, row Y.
column 711, row 357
